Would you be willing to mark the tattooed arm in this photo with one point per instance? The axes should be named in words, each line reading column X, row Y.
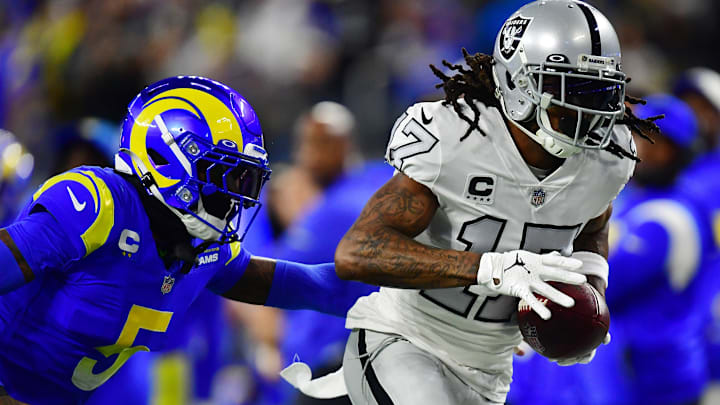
column 379, row 247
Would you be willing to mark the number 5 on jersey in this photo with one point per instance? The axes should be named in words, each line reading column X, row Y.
column 138, row 318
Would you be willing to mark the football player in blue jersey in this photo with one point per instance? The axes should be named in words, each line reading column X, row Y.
column 660, row 265
column 660, row 247
column 102, row 262
column 700, row 87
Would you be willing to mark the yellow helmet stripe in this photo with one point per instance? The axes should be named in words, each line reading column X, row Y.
column 221, row 120
column 143, row 122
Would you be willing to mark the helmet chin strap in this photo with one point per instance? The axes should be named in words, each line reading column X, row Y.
column 548, row 142
column 555, row 148
column 194, row 224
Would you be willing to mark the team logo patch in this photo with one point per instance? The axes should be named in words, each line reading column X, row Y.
column 167, row 284
column 511, row 34
column 480, row 188
column 538, row 197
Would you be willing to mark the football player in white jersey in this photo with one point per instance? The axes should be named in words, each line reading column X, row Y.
column 504, row 185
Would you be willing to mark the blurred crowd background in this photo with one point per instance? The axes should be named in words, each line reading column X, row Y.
column 69, row 68
column 64, row 61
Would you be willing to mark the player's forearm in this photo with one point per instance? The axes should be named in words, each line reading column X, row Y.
column 291, row 285
column 594, row 237
column 384, row 256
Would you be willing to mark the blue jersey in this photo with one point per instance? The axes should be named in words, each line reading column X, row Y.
column 101, row 291
column 658, row 292
column 702, row 182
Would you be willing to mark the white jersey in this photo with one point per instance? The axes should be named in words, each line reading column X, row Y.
column 489, row 200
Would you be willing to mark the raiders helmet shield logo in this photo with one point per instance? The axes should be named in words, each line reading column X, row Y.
column 511, row 34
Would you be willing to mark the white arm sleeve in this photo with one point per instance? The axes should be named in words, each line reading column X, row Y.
column 593, row 265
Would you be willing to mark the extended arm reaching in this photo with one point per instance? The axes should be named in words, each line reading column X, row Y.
column 291, row 285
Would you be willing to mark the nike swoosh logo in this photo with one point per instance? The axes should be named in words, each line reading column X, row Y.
column 425, row 119
column 76, row 204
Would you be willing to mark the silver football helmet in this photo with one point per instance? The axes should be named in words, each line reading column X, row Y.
column 562, row 53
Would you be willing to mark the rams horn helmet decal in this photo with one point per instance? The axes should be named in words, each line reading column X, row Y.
column 197, row 146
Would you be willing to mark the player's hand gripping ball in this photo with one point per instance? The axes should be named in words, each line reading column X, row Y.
column 570, row 332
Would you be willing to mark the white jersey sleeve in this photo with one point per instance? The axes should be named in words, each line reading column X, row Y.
column 414, row 147
column 616, row 171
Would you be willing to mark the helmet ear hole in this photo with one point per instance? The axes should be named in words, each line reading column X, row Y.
column 508, row 81
column 157, row 158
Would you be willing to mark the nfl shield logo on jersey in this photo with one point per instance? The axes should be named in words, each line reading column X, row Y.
column 167, row 285
column 538, row 197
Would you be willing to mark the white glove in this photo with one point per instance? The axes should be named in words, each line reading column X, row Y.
column 585, row 359
column 520, row 273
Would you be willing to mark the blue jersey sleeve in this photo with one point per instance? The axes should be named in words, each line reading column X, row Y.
column 661, row 242
column 81, row 202
column 233, row 261
column 42, row 243
column 637, row 261
column 316, row 287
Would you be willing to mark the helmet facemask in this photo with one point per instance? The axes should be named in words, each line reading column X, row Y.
column 227, row 182
column 210, row 203
column 586, row 99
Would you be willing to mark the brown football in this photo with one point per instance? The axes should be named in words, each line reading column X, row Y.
column 570, row 332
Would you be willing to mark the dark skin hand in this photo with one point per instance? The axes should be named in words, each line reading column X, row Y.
column 379, row 249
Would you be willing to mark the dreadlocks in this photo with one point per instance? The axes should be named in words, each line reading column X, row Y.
column 476, row 84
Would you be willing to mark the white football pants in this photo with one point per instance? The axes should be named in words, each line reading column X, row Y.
column 383, row 369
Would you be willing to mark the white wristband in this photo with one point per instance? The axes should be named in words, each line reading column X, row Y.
column 485, row 269
column 593, row 265
column 490, row 269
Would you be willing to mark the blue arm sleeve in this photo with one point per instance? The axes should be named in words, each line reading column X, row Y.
column 316, row 287
column 11, row 277
column 637, row 262
column 231, row 271
column 41, row 243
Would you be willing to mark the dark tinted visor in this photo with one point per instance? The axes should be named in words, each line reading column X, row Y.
column 233, row 177
column 585, row 92
column 246, row 181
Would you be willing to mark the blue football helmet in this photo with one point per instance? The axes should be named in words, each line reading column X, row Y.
column 197, row 146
